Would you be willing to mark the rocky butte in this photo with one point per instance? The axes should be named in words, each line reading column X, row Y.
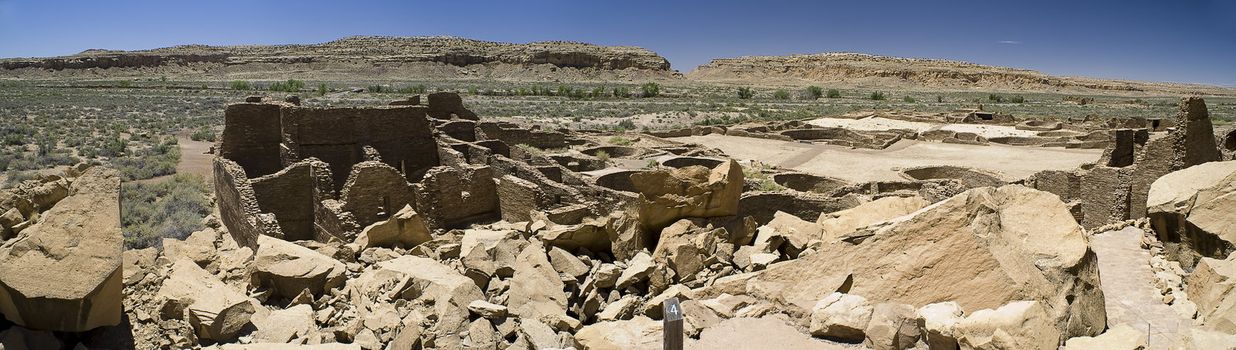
column 423, row 225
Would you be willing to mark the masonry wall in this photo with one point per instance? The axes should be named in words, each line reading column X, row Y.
column 251, row 137
column 290, row 195
column 238, row 206
column 401, row 135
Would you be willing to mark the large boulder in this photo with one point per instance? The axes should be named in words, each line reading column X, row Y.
column 1212, row 287
column 405, row 229
column 840, row 316
column 537, row 290
column 835, row 224
column 214, row 309
column 1193, row 211
column 667, row 195
column 756, row 333
column 288, row 269
column 636, row 333
column 1121, row 337
column 1018, row 325
column 982, row 249
column 436, row 289
column 64, row 273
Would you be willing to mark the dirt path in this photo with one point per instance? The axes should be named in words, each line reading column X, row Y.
column 194, row 158
column 861, row 165
column 1128, row 287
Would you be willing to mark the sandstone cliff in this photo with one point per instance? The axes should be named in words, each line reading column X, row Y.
column 855, row 69
column 433, row 56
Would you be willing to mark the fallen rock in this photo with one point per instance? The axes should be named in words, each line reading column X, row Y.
column 983, row 248
column 405, row 229
column 1212, row 287
column 199, row 247
column 214, row 309
column 756, row 333
column 288, row 269
column 637, row 270
column 693, row 191
column 1018, row 325
column 938, row 321
column 637, row 333
column 1121, row 337
column 282, row 326
column 841, row 317
column 487, row 309
column 1192, row 211
column 835, row 224
column 537, row 291
column 892, row 326
column 65, row 273
column 435, row 288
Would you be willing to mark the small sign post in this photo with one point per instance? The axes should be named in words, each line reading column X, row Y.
column 672, row 324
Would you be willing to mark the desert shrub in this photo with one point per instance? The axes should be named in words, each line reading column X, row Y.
column 815, row 92
column 597, row 92
column 472, row 90
column 16, row 177
column 876, row 96
column 291, row 85
column 622, row 92
column 746, row 93
column 603, row 156
column 240, row 85
column 995, row 98
column 833, row 93
column 415, row 89
column 377, row 89
column 652, row 164
column 125, row 83
column 322, row 89
column 621, row 141
column 626, row 124
column 781, row 95
column 908, row 99
column 202, row 134
column 1017, row 99
column 172, row 208
column 148, row 163
column 651, row 89
column 939, row 99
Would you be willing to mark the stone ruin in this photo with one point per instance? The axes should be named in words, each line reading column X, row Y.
column 406, row 227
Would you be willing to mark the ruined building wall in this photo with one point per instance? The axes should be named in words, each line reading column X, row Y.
column 238, row 206
column 454, row 196
column 251, row 136
column 401, row 135
column 514, row 135
column 291, row 194
column 375, row 191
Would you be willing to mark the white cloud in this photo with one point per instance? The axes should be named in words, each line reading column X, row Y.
column 1009, row 42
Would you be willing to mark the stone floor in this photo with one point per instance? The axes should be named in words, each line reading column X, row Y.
column 1128, row 287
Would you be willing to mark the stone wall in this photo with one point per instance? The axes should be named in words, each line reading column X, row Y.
column 251, row 137
column 401, row 135
column 238, row 205
column 451, row 197
column 513, row 135
column 375, row 191
column 291, row 195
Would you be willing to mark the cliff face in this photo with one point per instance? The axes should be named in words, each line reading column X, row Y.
column 883, row 71
column 366, row 51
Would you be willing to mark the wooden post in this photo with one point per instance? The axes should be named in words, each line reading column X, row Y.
column 672, row 324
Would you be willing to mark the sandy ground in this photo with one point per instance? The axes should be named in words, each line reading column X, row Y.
column 860, row 165
column 878, row 123
column 193, row 159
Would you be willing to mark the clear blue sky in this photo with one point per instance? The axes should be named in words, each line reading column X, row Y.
column 1179, row 41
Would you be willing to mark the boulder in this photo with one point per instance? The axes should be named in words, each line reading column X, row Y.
column 215, row 310
column 282, row 326
column 1212, row 287
column 637, row 333
column 487, row 309
column 841, row 317
column 667, row 195
column 637, row 270
column 64, row 273
column 434, row 289
column 199, row 247
column 892, row 327
column 756, row 333
column 937, row 322
column 1195, row 338
column 684, row 248
column 566, row 263
column 1018, row 325
column 287, row 269
column 983, row 248
column 404, row 229
column 835, row 224
column 537, row 290
column 1192, row 210
column 796, row 233
column 1121, row 337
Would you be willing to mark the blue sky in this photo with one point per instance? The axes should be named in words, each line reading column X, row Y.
column 1179, row 41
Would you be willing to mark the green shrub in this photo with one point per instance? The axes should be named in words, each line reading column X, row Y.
column 651, row 89
column 1017, row 99
column 939, row 99
column 908, row 99
column 603, row 156
column 291, row 85
column 745, row 93
column 202, row 134
column 877, row 96
column 416, row 89
column 995, row 98
column 815, row 92
column 172, row 208
column 621, row 141
column 322, row 89
column 781, row 95
column 834, row 93
column 125, row 83
column 240, row 85
column 377, row 89
column 626, row 124
column 622, row 92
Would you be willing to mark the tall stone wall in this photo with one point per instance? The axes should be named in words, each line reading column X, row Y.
column 401, row 135
column 453, row 196
column 514, row 135
column 238, row 205
column 291, row 194
column 251, row 136
column 375, row 191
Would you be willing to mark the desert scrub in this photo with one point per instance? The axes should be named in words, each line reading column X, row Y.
column 202, row 134
column 377, row 89
column 621, row 141
column 291, row 85
column 240, row 85
column 603, row 156
column 621, row 92
column 815, row 92
column 876, row 96
column 908, row 99
column 745, row 93
column 781, row 95
column 833, row 93
column 761, row 181
column 155, row 161
column 322, row 89
column 651, row 89
column 172, row 208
